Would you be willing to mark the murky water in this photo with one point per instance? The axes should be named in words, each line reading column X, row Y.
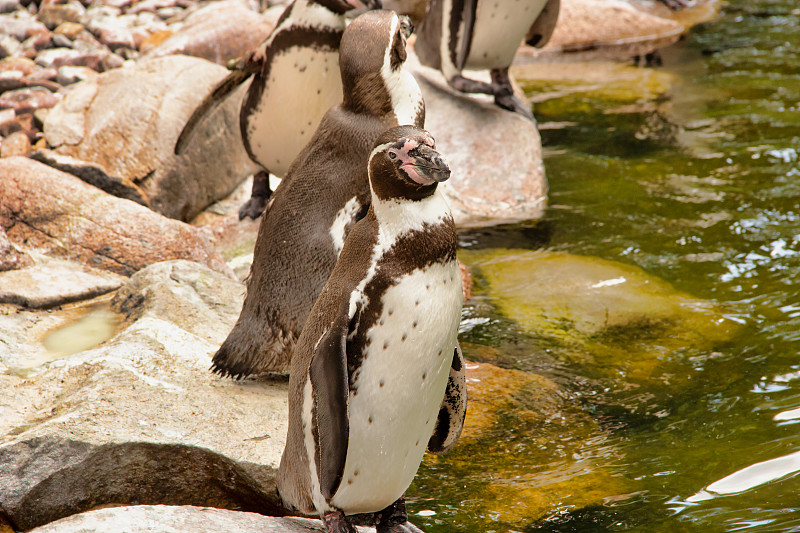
column 699, row 187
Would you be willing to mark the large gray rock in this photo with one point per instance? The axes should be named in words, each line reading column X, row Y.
column 43, row 208
column 139, row 419
column 495, row 155
column 161, row 518
column 127, row 120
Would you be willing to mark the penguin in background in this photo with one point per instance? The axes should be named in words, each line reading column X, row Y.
column 295, row 81
column 484, row 34
column 325, row 191
column 371, row 371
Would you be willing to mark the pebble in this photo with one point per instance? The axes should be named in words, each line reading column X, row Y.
column 15, row 144
column 28, row 100
column 52, row 14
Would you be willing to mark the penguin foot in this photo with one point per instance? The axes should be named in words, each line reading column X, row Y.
column 337, row 522
column 394, row 519
column 504, row 94
column 512, row 103
column 259, row 197
column 466, row 85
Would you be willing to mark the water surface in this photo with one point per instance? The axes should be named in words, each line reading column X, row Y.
column 699, row 187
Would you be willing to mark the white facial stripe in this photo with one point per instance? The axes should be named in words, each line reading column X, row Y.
column 405, row 94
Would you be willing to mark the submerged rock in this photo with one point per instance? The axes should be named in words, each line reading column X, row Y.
column 614, row 319
column 62, row 216
column 127, row 120
column 149, row 518
column 528, row 450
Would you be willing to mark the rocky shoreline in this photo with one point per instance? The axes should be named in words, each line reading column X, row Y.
column 100, row 220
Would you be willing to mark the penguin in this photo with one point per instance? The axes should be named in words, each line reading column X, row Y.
column 295, row 81
column 325, row 191
column 371, row 367
column 483, row 34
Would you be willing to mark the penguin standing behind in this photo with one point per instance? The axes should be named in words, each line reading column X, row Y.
column 370, row 369
column 295, row 81
column 483, row 34
column 325, row 190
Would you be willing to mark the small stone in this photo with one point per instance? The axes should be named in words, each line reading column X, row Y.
column 22, row 64
column 71, row 30
column 6, row 116
column 61, row 41
column 9, row 46
column 154, row 39
column 114, row 36
column 50, row 58
column 68, row 75
column 9, row 6
column 119, row 4
column 36, row 42
column 111, row 61
column 20, row 25
column 10, row 80
column 27, row 100
column 15, row 144
column 52, row 14
column 15, row 123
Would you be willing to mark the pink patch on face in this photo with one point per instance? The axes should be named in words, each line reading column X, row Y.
column 407, row 162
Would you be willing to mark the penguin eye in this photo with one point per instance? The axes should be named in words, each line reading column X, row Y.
column 392, row 155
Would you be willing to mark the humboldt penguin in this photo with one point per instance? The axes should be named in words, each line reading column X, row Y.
column 325, row 190
column 483, row 34
column 295, row 81
column 370, row 369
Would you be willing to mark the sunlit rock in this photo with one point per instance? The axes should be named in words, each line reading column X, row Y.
column 218, row 32
column 148, row 518
column 613, row 319
column 127, row 120
column 495, row 155
column 140, row 419
column 46, row 209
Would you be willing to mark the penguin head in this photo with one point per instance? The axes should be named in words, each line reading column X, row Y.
column 404, row 164
column 373, row 48
column 342, row 6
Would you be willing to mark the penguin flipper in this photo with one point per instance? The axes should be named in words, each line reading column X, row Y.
column 542, row 29
column 454, row 407
column 330, row 385
column 229, row 84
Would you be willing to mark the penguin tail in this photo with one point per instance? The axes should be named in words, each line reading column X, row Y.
column 221, row 91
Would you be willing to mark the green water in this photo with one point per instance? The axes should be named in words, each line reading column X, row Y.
column 700, row 188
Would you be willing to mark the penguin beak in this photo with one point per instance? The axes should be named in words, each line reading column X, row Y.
column 429, row 164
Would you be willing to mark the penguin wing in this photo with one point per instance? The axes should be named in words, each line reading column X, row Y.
column 329, row 378
column 241, row 71
column 542, row 29
column 461, row 42
column 454, row 407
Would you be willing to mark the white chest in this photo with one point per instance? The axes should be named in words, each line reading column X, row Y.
column 303, row 84
column 400, row 387
column 499, row 29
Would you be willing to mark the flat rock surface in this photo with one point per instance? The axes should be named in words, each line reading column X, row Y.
column 495, row 155
column 49, row 283
column 59, row 214
column 175, row 519
column 127, row 121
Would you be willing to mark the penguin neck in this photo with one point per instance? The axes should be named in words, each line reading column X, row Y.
column 392, row 92
column 397, row 217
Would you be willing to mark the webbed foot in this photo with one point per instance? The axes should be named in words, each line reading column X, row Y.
column 259, row 197
column 394, row 519
column 466, row 85
column 504, row 94
column 337, row 522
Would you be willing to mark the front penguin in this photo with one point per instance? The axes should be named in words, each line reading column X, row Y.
column 370, row 369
